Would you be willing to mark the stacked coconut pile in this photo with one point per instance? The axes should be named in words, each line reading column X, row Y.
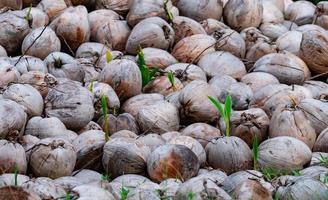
column 163, row 99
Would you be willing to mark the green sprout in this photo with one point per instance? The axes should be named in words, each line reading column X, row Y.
column 323, row 160
column 146, row 73
column 91, row 86
column 255, row 151
column 15, row 175
column 271, row 173
column 109, row 56
column 28, row 16
column 224, row 111
column 105, row 110
column 124, row 193
column 167, row 10
column 68, row 196
column 104, row 177
column 170, row 76
column 190, row 195
column 325, row 179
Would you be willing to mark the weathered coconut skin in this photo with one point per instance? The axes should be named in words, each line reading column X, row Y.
column 230, row 154
column 71, row 103
column 91, row 192
column 44, row 187
column 119, row 6
column 28, row 63
column 283, row 153
column 321, row 143
column 319, row 89
column 14, row 192
column 152, row 140
column 321, row 12
column 45, row 127
column 257, row 80
column 124, row 121
column 184, row 27
column 16, row 5
column 230, row 41
column 162, row 85
column 52, row 8
column 211, row 25
column 12, row 156
column 251, row 189
column 171, row 161
column 301, row 12
column 158, row 57
column 290, row 41
column 7, row 179
column 39, row 18
column 187, row 72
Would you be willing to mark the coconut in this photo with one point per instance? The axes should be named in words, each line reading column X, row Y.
column 67, row 182
column 13, row 118
column 12, row 157
column 220, row 83
column 131, row 180
column 150, row 32
column 316, row 159
column 283, row 152
column 91, row 192
column 200, row 188
column 290, row 41
column 62, row 65
column 300, row 12
column 124, row 121
column 52, row 8
column 125, row 156
column 196, row 107
column 91, row 50
column 9, row 180
column 248, row 124
column 191, row 49
column 44, row 187
column 41, row 47
column 15, row 5
column 251, row 189
column 230, row 41
column 72, row 27
column 119, row 6
column 184, row 27
column 202, row 132
column 86, row 176
column 214, row 175
column 158, row 118
column 12, row 34
column 239, row 14
column 252, row 36
column 27, row 142
column 200, row 10
column 162, row 85
column 90, row 126
column 321, row 14
column 187, row 72
column 123, row 76
column 193, row 145
column 317, row 112
column 172, row 161
column 151, row 140
column 314, row 171
column 292, row 121
column 136, row 103
column 211, row 25
column 88, row 147
column 158, row 57
column 273, row 30
column 14, row 192
column 169, row 187
column 45, row 127
column 257, row 51
column 222, row 63
column 98, row 18
column 257, row 80
column 319, row 89
column 313, row 50
column 71, row 103
column 271, row 12
column 234, row 152
column 309, row 27
column 3, row 52
column 321, row 143
column 39, row 80
column 91, row 70
column 286, row 67
column 28, row 63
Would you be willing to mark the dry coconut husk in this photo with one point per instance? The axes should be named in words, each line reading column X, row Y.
column 239, row 14
column 143, row 194
column 187, row 72
column 15, row 5
column 321, row 144
column 88, row 191
column 79, row 100
column 39, row 18
column 3, row 52
column 290, row 41
column 274, row 30
column 199, row 9
column 124, row 77
column 248, row 124
column 220, row 83
column 314, row 51
column 321, row 14
column 257, row 80
column 202, row 132
column 184, row 27
column 45, row 127
column 28, row 63
column 211, row 25
column 158, row 118
column 8, row 73
column 257, row 51
column 124, row 121
column 283, row 152
column 12, row 157
column 230, row 154
column 158, row 57
column 319, row 89
column 91, row 50
column 286, row 67
column 195, row 105
column 44, row 187
column 120, row 6
column 151, row 140
column 251, row 189
column 271, row 12
column 172, row 161
column 222, row 63
column 8, row 180
column 191, row 49
column 52, row 158
column 125, row 156
column 52, row 8
column 27, row 142
column 169, row 187
column 14, row 193
column 162, row 85
column 300, row 12
column 150, row 32
column 230, row 41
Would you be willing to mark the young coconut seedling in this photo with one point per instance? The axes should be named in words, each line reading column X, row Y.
column 271, row 173
column 15, row 175
column 168, row 11
column 109, row 56
column 255, row 152
column 190, row 195
column 105, row 110
column 225, row 111
column 323, row 160
column 124, row 193
column 146, row 73
column 170, row 76
column 28, row 15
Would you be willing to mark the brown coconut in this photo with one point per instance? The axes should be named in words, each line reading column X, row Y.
column 319, row 89
column 44, row 187
column 187, row 72
column 162, row 85
column 15, row 5
column 211, row 25
column 151, row 140
column 39, row 18
column 257, row 80
column 45, row 127
column 124, row 121
column 119, row 6
column 230, row 41
column 300, row 12
column 251, row 189
column 321, row 143
column 14, row 192
column 184, row 27
column 12, row 157
column 52, row 8
column 158, row 58
column 290, row 41
column 28, row 63
column 321, row 13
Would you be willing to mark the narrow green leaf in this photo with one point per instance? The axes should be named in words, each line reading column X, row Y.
column 15, row 175
column 91, row 86
column 105, row 114
column 124, row 193
column 228, row 106
column 28, row 15
column 141, row 57
column 217, row 105
column 109, row 56
column 153, row 71
column 168, row 11
column 255, row 151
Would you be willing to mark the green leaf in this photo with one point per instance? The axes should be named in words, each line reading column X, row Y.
column 217, row 105
column 147, row 74
column 105, row 111
column 228, row 106
column 255, row 151
column 168, row 11
column 141, row 57
column 28, row 15
column 109, row 56
column 91, row 86
column 15, row 175
column 124, row 193
column 170, row 76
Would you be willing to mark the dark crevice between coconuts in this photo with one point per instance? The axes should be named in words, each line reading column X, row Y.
column 58, row 63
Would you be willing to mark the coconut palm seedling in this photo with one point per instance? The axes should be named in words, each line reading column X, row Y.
column 255, row 151
column 28, row 15
column 15, row 175
column 225, row 111
column 170, row 76
column 323, row 160
column 168, row 12
column 109, row 56
column 190, row 195
column 124, row 193
column 68, row 196
column 271, row 173
column 104, row 111
column 147, row 74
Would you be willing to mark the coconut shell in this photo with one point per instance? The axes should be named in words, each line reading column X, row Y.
column 131, row 180
column 12, row 156
column 44, row 187
column 196, row 107
column 271, row 12
column 123, row 76
column 162, row 85
column 230, row 41
column 184, row 27
column 199, row 10
column 150, row 32
column 240, row 14
column 286, row 67
column 257, row 51
column 257, row 80
column 14, row 192
column 273, row 30
column 86, row 176
column 45, row 127
column 151, row 140
column 220, row 83
column 314, row 51
column 191, row 49
column 222, row 63
column 39, row 18
column 158, row 58
column 15, row 5
column 124, row 121
column 187, row 72
column 72, row 27
column 202, row 132
column 143, row 194
column 7, row 179
column 290, row 41
column 91, row 50
column 27, row 142
column 52, row 8
column 172, row 161
column 230, row 154
column 70, row 95
column 119, row 6
column 158, row 118
column 252, row 36
column 322, row 14
column 300, row 12
column 170, row 186
column 67, row 182
column 283, row 153
column 211, row 25
column 91, row 192
column 251, row 189
column 321, row 143
column 28, row 63
column 3, row 52
column 319, row 89
column 124, row 156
